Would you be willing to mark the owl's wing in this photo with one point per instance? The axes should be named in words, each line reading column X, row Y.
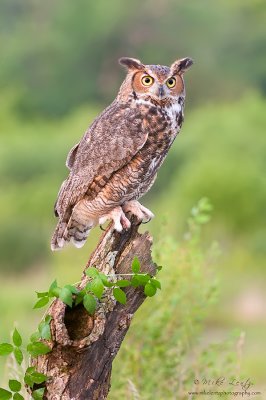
column 109, row 144
column 71, row 156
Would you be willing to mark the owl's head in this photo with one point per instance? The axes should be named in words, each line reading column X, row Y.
column 156, row 83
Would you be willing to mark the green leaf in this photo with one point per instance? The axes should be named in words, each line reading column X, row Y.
column 38, row 378
column 18, row 355
column 149, row 290
column 28, row 380
column 97, row 287
column 135, row 265
column 42, row 302
column 92, row 272
column 5, row 349
column 105, row 281
column 17, row 396
column 90, row 303
column 123, row 283
column 79, row 297
column 120, row 295
column 142, row 278
column 72, row 289
column 38, row 394
column 66, row 296
column 135, row 281
column 41, row 294
column 54, row 290
column 30, row 370
column 44, row 330
column 5, row 394
column 154, row 282
column 14, row 385
column 37, row 348
column 32, row 376
column 17, row 340
column 35, row 337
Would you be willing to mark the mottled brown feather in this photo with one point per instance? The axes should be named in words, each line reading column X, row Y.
column 112, row 140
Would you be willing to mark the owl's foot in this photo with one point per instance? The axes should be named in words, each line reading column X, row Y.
column 135, row 208
column 119, row 219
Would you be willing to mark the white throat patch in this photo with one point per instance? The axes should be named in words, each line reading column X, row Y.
column 173, row 111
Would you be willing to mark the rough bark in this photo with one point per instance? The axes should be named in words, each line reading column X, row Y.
column 83, row 347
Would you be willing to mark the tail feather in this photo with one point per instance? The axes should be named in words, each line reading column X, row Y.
column 73, row 231
column 77, row 232
column 57, row 241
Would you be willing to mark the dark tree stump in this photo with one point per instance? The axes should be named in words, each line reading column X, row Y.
column 83, row 347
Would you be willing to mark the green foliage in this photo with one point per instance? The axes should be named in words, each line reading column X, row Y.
column 34, row 349
column 135, row 265
column 32, row 377
column 172, row 329
column 70, row 295
column 200, row 215
column 66, row 296
column 18, row 396
column 52, row 81
column 17, row 340
column 44, row 328
column 149, row 289
column 5, row 394
column 18, row 355
column 42, row 302
column 97, row 287
column 90, row 295
column 5, row 349
column 14, row 385
column 90, row 303
column 38, row 394
column 120, row 296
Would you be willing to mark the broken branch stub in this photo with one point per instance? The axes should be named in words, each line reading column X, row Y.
column 83, row 346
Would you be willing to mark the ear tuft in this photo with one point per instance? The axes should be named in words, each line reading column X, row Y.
column 181, row 66
column 131, row 63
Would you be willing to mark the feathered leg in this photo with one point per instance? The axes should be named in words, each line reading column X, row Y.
column 82, row 220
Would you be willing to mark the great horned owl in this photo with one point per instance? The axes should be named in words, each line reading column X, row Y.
column 116, row 161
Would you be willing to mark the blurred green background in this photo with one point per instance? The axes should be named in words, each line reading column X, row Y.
column 58, row 71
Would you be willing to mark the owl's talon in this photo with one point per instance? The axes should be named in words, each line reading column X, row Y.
column 120, row 221
column 125, row 222
column 101, row 227
column 146, row 222
column 135, row 208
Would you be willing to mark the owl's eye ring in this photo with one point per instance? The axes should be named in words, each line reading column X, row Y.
column 171, row 82
column 147, row 80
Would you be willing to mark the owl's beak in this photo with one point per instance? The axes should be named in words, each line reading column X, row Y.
column 161, row 92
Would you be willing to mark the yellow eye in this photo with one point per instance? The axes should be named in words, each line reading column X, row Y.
column 147, row 80
column 171, row 82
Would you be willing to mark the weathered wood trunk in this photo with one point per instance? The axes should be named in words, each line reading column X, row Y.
column 80, row 363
